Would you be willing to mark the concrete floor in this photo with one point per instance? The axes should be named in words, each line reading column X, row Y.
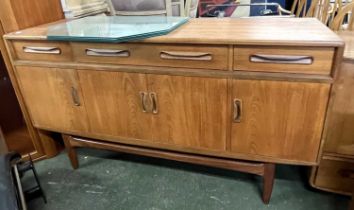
column 108, row 181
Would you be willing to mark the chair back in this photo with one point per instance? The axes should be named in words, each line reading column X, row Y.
column 191, row 8
column 321, row 9
column 299, row 8
column 346, row 13
column 146, row 7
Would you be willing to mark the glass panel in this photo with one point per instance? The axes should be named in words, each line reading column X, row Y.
column 114, row 28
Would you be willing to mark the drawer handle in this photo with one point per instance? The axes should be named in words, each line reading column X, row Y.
column 143, row 100
column 285, row 59
column 196, row 56
column 107, row 52
column 237, row 110
column 75, row 96
column 153, row 97
column 42, row 50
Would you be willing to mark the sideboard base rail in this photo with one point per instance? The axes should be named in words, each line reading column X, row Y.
column 266, row 170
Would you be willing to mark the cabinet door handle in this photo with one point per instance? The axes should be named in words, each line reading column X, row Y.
column 175, row 55
column 237, row 110
column 143, row 100
column 107, row 52
column 42, row 50
column 75, row 96
column 285, row 59
column 153, row 97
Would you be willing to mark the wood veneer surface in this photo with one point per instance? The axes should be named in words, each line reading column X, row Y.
column 261, row 31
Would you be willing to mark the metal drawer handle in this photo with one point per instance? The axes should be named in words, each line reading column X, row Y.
column 153, row 97
column 107, row 52
column 285, row 59
column 197, row 56
column 143, row 100
column 75, row 96
column 237, row 110
column 42, row 50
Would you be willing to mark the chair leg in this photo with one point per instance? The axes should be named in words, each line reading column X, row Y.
column 71, row 151
column 268, row 181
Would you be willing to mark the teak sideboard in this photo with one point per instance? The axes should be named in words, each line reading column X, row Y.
column 242, row 94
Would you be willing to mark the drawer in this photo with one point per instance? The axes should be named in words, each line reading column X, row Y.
column 336, row 174
column 188, row 56
column 42, row 50
column 284, row 59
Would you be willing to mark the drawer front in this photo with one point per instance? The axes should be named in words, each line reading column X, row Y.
column 42, row 51
column 187, row 56
column 287, row 60
column 337, row 175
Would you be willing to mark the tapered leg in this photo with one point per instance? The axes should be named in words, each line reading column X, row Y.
column 268, row 181
column 71, row 151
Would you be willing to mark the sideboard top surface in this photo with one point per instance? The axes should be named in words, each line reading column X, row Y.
column 257, row 31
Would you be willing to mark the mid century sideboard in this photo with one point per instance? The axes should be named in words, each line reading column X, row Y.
column 242, row 94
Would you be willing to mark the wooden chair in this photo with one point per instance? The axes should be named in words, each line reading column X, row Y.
column 299, row 8
column 345, row 12
column 322, row 10
column 147, row 7
column 191, row 8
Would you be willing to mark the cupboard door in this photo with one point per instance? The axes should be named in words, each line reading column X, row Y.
column 114, row 103
column 278, row 119
column 191, row 111
column 340, row 136
column 53, row 97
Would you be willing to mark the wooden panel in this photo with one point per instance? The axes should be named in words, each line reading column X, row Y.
column 340, row 135
column 48, row 96
column 19, row 14
column 320, row 59
column 336, row 174
column 114, row 105
column 192, row 111
column 192, row 56
column 251, row 31
column 279, row 119
column 61, row 51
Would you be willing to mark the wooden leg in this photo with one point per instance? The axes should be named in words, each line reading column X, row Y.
column 50, row 146
column 268, row 181
column 71, row 151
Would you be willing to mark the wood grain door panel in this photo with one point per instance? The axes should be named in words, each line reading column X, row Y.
column 114, row 105
column 48, row 96
column 279, row 119
column 192, row 111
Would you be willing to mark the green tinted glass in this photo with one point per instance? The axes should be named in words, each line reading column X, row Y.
column 114, row 28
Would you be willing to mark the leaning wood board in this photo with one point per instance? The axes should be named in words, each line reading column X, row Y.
column 335, row 172
column 247, row 89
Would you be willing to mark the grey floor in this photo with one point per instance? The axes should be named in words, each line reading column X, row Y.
column 108, row 181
